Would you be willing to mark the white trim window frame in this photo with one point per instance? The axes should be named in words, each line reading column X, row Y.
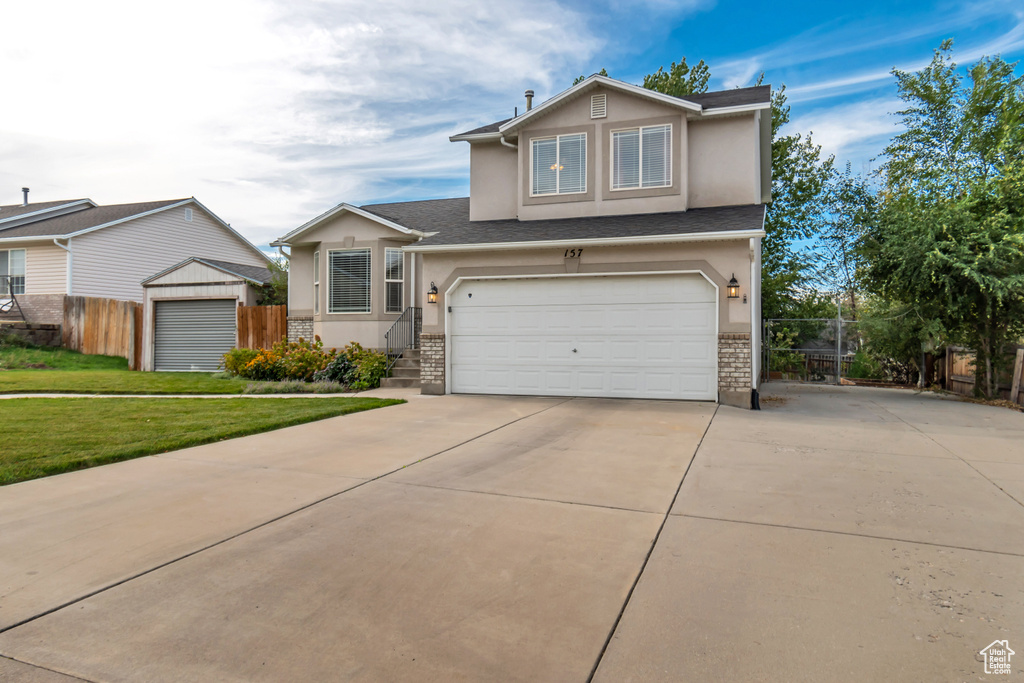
column 641, row 157
column 349, row 281
column 12, row 263
column 316, row 283
column 558, row 165
column 394, row 280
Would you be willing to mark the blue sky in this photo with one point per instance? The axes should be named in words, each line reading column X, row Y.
column 272, row 111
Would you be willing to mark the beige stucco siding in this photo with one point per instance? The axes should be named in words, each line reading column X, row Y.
column 112, row 262
column 718, row 260
column 344, row 232
column 46, row 268
column 492, row 182
column 724, row 162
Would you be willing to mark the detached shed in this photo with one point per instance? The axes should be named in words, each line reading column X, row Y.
column 190, row 313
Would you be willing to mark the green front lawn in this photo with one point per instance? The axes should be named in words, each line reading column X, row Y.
column 44, row 436
column 53, row 371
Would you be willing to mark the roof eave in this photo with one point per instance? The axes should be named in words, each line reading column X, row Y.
column 716, row 236
column 197, row 259
column 289, row 239
column 478, row 137
column 735, row 109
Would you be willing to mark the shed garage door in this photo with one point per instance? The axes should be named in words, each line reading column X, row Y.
column 637, row 336
column 193, row 335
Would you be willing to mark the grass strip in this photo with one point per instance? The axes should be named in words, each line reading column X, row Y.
column 45, row 436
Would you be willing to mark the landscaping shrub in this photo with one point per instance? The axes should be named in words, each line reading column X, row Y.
column 370, row 366
column 235, row 360
column 340, row 370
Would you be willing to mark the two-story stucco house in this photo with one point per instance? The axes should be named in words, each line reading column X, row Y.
column 610, row 246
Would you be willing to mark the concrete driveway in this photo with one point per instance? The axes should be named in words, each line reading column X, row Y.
column 836, row 535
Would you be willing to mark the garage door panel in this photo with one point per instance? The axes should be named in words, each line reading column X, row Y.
column 634, row 336
column 193, row 335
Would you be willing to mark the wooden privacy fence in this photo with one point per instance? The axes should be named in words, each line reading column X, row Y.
column 103, row 326
column 260, row 327
column 958, row 373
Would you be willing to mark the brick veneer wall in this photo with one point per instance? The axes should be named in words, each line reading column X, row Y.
column 300, row 326
column 432, row 363
column 734, row 369
column 42, row 308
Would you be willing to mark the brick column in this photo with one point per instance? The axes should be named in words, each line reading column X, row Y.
column 432, row 363
column 734, row 370
column 300, row 326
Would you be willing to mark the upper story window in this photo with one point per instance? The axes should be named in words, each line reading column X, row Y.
column 559, row 164
column 394, row 280
column 348, row 281
column 642, row 157
column 12, row 272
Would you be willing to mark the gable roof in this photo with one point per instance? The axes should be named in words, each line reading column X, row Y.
column 89, row 217
column 253, row 274
column 340, row 210
column 700, row 104
column 24, row 212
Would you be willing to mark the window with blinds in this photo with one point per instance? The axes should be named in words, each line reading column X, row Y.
column 559, row 165
column 642, row 157
column 12, row 272
column 348, row 281
column 394, row 281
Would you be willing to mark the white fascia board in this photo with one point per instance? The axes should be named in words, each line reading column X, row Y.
column 591, row 242
column 340, row 208
column 478, row 137
column 41, row 214
column 593, row 82
column 32, row 238
column 737, row 109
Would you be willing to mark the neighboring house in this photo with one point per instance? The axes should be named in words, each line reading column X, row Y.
column 610, row 246
column 76, row 247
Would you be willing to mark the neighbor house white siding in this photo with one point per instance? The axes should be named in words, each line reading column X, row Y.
column 112, row 262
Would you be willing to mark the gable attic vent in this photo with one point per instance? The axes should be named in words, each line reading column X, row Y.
column 598, row 106
column 188, row 215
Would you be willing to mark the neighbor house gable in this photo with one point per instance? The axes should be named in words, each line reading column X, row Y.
column 322, row 225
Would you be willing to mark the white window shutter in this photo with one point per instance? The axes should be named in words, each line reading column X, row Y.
column 598, row 106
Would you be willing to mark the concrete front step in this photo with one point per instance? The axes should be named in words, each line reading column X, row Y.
column 399, row 382
column 405, row 372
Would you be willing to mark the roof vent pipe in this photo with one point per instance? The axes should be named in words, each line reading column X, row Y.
column 529, row 100
column 24, row 193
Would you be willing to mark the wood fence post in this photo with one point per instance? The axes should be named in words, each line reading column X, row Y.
column 1015, row 385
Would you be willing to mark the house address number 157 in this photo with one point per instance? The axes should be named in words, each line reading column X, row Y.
column 573, row 253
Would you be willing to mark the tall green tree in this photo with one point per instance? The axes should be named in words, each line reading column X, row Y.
column 680, row 80
column 949, row 239
column 849, row 210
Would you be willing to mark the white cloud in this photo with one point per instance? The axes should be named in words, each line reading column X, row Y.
column 267, row 111
column 851, row 131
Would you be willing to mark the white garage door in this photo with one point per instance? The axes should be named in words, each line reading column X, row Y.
column 193, row 335
column 637, row 336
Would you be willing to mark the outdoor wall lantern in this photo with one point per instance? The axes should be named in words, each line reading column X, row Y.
column 432, row 294
column 734, row 288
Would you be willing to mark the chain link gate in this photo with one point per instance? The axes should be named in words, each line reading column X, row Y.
column 809, row 349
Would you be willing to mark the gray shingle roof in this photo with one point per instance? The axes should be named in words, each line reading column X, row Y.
column 14, row 210
column 450, row 219
column 757, row 94
column 253, row 273
column 82, row 220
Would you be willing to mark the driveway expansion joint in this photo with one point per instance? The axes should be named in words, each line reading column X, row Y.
column 650, row 551
column 46, row 668
column 849, row 533
column 521, row 497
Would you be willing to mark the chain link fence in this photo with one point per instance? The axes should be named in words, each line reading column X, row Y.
column 810, row 349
